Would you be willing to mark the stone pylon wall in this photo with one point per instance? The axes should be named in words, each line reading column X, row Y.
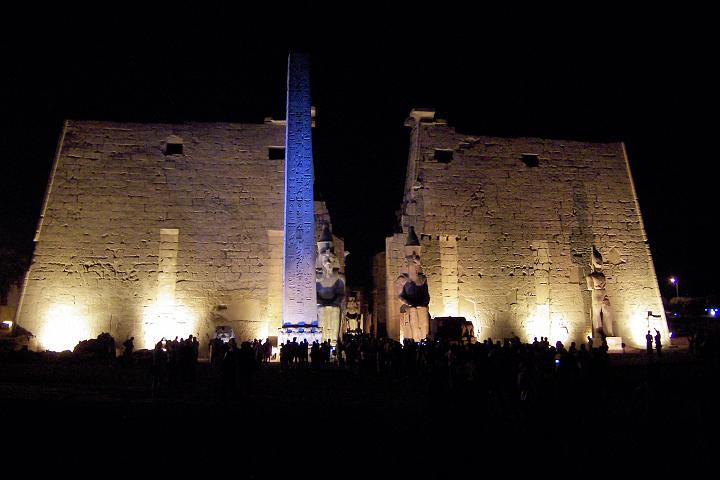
column 507, row 244
column 130, row 234
column 379, row 294
column 394, row 265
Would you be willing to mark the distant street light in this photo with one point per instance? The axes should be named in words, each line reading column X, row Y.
column 675, row 282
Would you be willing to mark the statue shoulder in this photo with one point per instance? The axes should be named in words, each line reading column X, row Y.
column 400, row 282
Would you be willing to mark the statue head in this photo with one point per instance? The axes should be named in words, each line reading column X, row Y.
column 413, row 264
column 412, row 259
column 353, row 304
column 326, row 259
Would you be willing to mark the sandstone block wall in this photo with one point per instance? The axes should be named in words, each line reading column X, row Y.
column 133, row 238
column 507, row 244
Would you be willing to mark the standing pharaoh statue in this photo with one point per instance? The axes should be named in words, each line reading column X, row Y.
column 330, row 287
column 601, row 315
column 412, row 290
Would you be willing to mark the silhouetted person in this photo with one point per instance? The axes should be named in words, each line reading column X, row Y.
column 128, row 347
column 160, row 360
column 691, row 343
column 218, row 351
column 111, row 348
column 649, row 342
column 229, row 369
column 245, row 366
column 658, row 343
column 267, row 346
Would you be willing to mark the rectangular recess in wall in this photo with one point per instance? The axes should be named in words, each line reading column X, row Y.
column 174, row 149
column 173, row 145
column 443, row 155
column 276, row 153
column 531, row 159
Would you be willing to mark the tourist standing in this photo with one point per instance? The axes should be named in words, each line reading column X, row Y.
column 128, row 347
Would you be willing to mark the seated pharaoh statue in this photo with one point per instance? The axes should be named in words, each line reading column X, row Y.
column 412, row 291
column 330, row 287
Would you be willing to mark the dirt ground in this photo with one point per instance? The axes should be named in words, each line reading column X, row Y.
column 335, row 418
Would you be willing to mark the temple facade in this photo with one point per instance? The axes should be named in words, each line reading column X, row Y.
column 152, row 230
column 508, row 227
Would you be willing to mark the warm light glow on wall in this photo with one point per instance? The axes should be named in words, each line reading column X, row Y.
column 638, row 327
column 640, row 323
column 64, row 326
column 165, row 319
column 538, row 325
column 559, row 330
column 467, row 310
column 263, row 331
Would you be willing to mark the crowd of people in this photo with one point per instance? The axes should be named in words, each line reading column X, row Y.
column 492, row 363
column 262, row 351
column 173, row 361
column 294, row 354
column 509, row 366
column 237, row 365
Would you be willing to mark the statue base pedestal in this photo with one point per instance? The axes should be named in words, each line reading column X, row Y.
column 614, row 344
column 329, row 322
column 415, row 323
column 311, row 333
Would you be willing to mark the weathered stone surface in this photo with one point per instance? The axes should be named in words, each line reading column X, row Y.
column 299, row 305
column 106, row 245
column 507, row 245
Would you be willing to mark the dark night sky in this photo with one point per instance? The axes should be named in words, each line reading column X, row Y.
column 610, row 76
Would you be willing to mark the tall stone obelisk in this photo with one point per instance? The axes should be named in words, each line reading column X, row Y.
column 299, row 299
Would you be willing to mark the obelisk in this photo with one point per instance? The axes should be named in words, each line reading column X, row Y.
column 299, row 311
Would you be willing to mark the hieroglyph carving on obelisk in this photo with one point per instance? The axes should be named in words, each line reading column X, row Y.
column 299, row 302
